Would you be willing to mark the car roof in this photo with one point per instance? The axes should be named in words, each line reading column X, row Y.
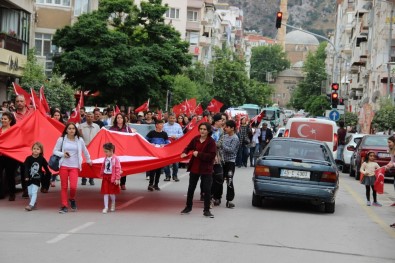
column 292, row 139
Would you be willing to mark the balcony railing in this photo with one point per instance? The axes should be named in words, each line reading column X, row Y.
column 11, row 43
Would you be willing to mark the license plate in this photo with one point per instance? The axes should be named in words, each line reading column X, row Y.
column 383, row 155
column 295, row 174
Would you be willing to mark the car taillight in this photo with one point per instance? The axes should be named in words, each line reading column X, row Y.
column 350, row 148
column 334, row 142
column 329, row 177
column 286, row 133
column 261, row 170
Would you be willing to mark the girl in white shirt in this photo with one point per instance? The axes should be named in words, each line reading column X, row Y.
column 368, row 171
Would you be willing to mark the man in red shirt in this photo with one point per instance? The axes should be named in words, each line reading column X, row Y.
column 22, row 111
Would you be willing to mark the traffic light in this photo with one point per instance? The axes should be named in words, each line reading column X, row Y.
column 334, row 99
column 335, row 86
column 279, row 18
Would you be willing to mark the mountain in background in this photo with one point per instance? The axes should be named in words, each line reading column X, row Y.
column 317, row 16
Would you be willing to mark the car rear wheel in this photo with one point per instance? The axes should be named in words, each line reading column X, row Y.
column 357, row 173
column 330, row 207
column 352, row 172
column 345, row 168
column 256, row 200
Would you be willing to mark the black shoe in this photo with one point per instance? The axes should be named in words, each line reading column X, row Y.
column 186, row 210
column 73, row 205
column 229, row 204
column 91, row 182
column 63, row 210
column 208, row 214
column 217, row 202
column 11, row 197
column 245, row 165
column 175, row 178
column 157, row 188
column 167, row 179
column 150, row 188
column 83, row 183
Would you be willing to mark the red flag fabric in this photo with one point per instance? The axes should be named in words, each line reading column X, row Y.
column 81, row 101
column 178, row 109
column 44, row 101
column 379, row 183
column 18, row 140
column 191, row 124
column 136, row 154
column 199, row 110
column 191, row 106
column 215, row 106
column 258, row 118
column 20, row 91
column 144, row 107
column 75, row 115
column 117, row 110
column 35, row 99
column 160, row 114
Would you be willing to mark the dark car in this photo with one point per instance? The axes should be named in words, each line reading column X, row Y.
column 296, row 169
column 371, row 143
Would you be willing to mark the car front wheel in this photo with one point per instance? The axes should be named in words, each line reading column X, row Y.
column 256, row 200
column 330, row 207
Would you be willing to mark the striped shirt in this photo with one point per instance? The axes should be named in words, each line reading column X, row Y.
column 230, row 146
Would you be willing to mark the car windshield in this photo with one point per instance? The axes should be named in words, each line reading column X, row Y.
column 298, row 149
column 269, row 115
column 375, row 141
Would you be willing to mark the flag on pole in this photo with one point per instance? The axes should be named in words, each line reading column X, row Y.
column 117, row 110
column 144, row 107
column 215, row 106
column 35, row 100
column 43, row 100
column 20, row 91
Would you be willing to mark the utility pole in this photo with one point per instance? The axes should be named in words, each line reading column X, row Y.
column 389, row 57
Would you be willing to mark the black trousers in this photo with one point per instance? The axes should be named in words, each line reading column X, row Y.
column 154, row 176
column 218, row 188
column 9, row 166
column 45, row 181
column 123, row 180
column 206, row 181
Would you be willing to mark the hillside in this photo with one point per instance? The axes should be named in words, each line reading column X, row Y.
column 317, row 16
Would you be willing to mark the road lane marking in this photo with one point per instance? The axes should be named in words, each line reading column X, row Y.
column 130, row 202
column 72, row 231
column 375, row 218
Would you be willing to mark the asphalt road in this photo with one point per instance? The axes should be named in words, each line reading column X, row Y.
column 147, row 227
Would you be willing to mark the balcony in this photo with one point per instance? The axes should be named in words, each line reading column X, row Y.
column 193, row 26
column 347, row 48
column 204, row 41
column 11, row 43
column 195, row 3
column 12, row 63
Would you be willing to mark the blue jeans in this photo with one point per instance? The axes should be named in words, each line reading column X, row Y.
column 254, row 153
column 175, row 170
column 32, row 190
column 340, row 150
column 242, row 155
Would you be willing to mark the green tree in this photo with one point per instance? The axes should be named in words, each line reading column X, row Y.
column 259, row 93
column 125, row 52
column 230, row 80
column 58, row 93
column 266, row 59
column 316, row 105
column 314, row 68
column 350, row 119
column 384, row 118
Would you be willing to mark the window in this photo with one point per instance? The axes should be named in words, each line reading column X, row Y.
column 44, row 48
column 81, row 7
column 193, row 38
column 173, row 13
column 54, row 2
column 192, row 16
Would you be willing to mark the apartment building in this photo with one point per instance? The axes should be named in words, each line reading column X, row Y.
column 16, row 19
column 51, row 15
column 364, row 56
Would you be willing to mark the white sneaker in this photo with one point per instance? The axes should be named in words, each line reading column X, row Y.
column 105, row 210
column 112, row 209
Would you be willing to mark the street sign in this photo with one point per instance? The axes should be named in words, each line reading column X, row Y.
column 334, row 115
column 340, row 109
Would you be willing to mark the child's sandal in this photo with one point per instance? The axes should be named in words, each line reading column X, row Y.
column 393, row 225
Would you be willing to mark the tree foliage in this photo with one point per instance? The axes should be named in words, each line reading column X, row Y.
column 350, row 119
column 125, row 52
column 317, row 105
column 314, row 68
column 383, row 119
column 57, row 92
column 266, row 59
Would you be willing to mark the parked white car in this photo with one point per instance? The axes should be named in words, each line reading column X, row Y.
column 280, row 132
column 352, row 140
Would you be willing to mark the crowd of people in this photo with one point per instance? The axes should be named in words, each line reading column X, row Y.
column 220, row 147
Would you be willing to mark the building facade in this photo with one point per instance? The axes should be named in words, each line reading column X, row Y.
column 364, row 61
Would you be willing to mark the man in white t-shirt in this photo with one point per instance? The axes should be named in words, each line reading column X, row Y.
column 88, row 131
